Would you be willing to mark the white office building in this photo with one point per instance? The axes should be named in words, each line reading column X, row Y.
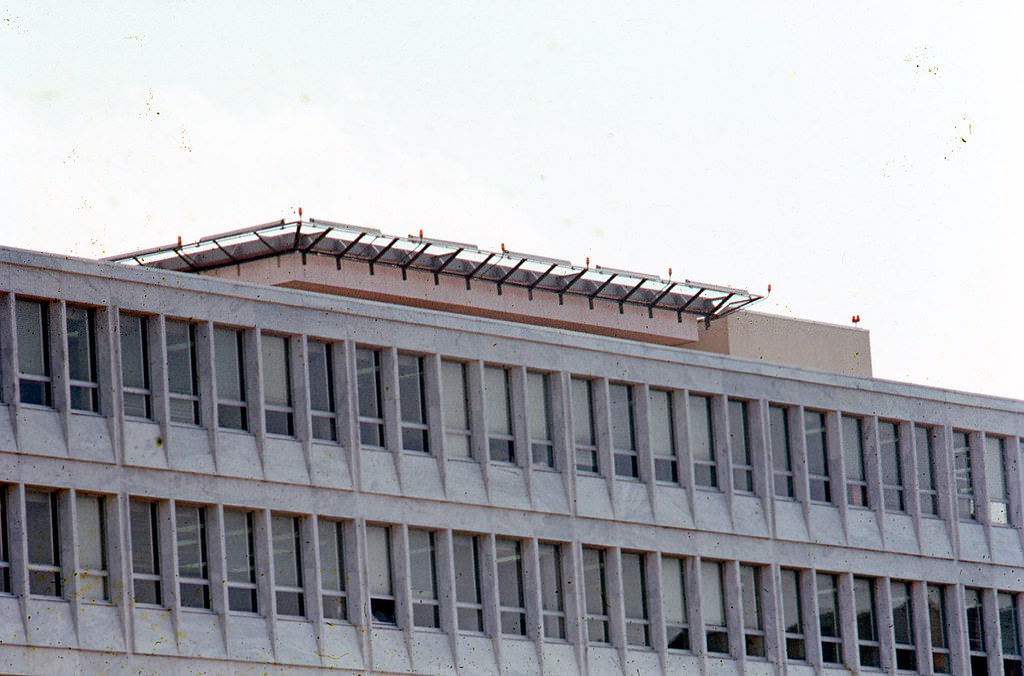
column 308, row 446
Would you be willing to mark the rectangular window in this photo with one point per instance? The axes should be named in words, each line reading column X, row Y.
column 782, row 456
column 84, row 380
column 538, row 418
column 712, row 603
column 1009, row 635
column 510, row 586
column 426, row 610
column 193, row 556
column 332, row 568
column 962, row 476
column 867, row 622
column 412, row 396
column 903, row 625
column 229, row 357
column 41, row 526
column 927, row 494
column 146, row 585
column 634, row 599
column 595, row 588
column 469, row 609
column 278, row 409
column 93, row 576
column 793, row 615
column 182, row 372
column 456, row 410
column 889, row 448
column 702, row 441
column 378, row 567
column 552, row 602
column 995, row 482
column 937, row 623
column 288, row 591
column 498, row 414
column 828, row 618
column 5, row 551
column 673, row 603
column 35, row 384
column 583, row 426
column 663, row 437
column 371, row 397
column 739, row 442
column 853, row 461
column 976, row 630
column 623, row 430
column 321, row 390
column 240, row 546
column 816, row 437
column 135, row 366
column 753, row 611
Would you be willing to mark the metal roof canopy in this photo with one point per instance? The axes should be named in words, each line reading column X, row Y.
column 439, row 257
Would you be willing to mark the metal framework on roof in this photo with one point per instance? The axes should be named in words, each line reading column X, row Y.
column 354, row 244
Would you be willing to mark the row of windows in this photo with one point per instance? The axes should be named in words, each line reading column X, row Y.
column 892, row 465
column 210, row 557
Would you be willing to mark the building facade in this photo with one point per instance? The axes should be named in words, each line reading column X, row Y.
column 204, row 467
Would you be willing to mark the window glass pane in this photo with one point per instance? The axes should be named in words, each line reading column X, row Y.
column 33, row 339
column 995, row 471
column 864, row 595
column 276, row 378
column 455, row 409
column 180, row 357
column 410, row 388
column 711, row 593
column 321, row 395
column 634, row 585
column 90, row 532
column 701, row 444
column 144, row 540
column 937, row 616
column 792, row 613
column 923, row 442
column 191, row 537
column 1008, row 624
column 674, row 600
column 227, row 347
column 623, row 433
column 962, row 474
column 332, row 555
column 902, row 617
column 750, row 583
column 889, row 448
column 817, row 450
column 662, row 437
column 828, row 605
column 423, row 580
column 739, row 437
column 368, row 377
column 39, row 525
column 582, row 412
column 134, row 364
column 378, row 559
column 287, row 562
column 595, row 594
column 81, row 343
column 853, row 448
column 496, row 397
column 537, row 406
column 467, row 587
column 975, row 620
column 550, row 577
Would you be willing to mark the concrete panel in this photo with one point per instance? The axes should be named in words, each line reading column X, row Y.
column 508, row 486
column 50, row 623
column 12, row 629
column 431, row 653
column 89, row 437
column 285, row 460
column 560, row 658
column 672, row 508
column 248, row 638
column 388, row 650
column 642, row 662
column 935, row 539
column 711, row 511
column 99, row 627
column 237, row 455
column 378, row 473
column 749, row 516
column 632, row 502
column 330, row 466
column 973, row 543
column 40, row 431
column 518, row 657
column 862, row 528
column 188, row 448
column 549, row 492
column 592, row 497
column 153, row 631
column 1006, row 547
column 340, row 647
column 466, row 482
column 144, row 445
column 826, row 526
column 200, row 635
column 900, row 535
column 476, row 655
column 7, row 439
column 603, row 660
column 421, row 477
column 295, row 642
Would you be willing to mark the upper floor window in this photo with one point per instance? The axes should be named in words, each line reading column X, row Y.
column 426, row 608
column 595, row 587
column 793, row 615
column 926, row 491
column 512, row 606
column 552, row 602
column 963, row 476
column 469, row 607
column 702, row 441
column 35, row 384
column 371, row 397
column 712, row 604
column 84, row 378
column 828, row 618
column 288, row 592
column 498, row 414
column 853, row 460
column 42, row 526
column 279, row 410
column 939, row 632
column 135, row 366
column 378, row 567
column 903, row 625
column 623, row 430
column 321, row 390
column 240, row 547
column 5, row 552
column 193, row 556
column 889, row 448
column 1009, row 635
column 739, row 442
column 229, row 355
column 753, row 610
column 816, row 436
column 538, row 418
column 457, row 433
column 634, row 599
column 782, row 456
column 332, row 568
column 583, row 425
column 867, row 622
column 145, row 543
column 93, row 575
column 975, row 612
column 663, row 437
column 995, row 481
column 673, row 603
column 412, row 396
column 182, row 372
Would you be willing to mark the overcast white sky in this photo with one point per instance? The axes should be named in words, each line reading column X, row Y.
column 861, row 157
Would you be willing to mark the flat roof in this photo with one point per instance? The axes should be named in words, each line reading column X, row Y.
column 354, row 244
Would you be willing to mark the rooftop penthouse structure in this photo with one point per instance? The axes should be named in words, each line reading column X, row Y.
column 309, row 446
